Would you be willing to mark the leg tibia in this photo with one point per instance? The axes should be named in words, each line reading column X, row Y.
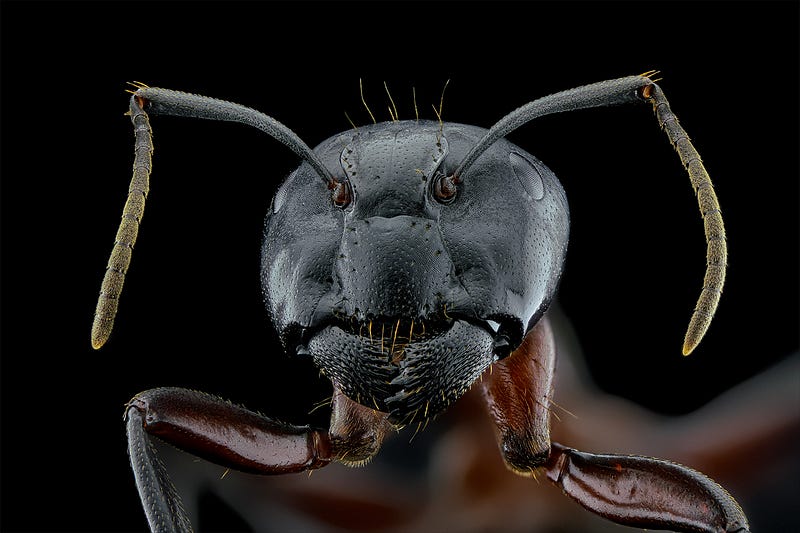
column 161, row 502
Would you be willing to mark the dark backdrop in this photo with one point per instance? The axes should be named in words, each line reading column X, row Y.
column 191, row 314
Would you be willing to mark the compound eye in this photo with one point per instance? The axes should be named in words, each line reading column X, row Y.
column 341, row 194
column 528, row 175
column 444, row 188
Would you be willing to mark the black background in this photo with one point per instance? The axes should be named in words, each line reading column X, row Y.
column 191, row 314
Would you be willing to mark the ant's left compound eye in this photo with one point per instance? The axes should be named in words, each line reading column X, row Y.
column 444, row 188
column 341, row 194
column 528, row 175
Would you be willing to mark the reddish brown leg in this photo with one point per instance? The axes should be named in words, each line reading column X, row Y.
column 645, row 492
column 518, row 391
column 635, row 491
column 235, row 437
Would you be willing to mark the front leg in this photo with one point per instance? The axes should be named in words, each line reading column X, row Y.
column 518, row 391
column 645, row 492
column 631, row 490
column 234, row 437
